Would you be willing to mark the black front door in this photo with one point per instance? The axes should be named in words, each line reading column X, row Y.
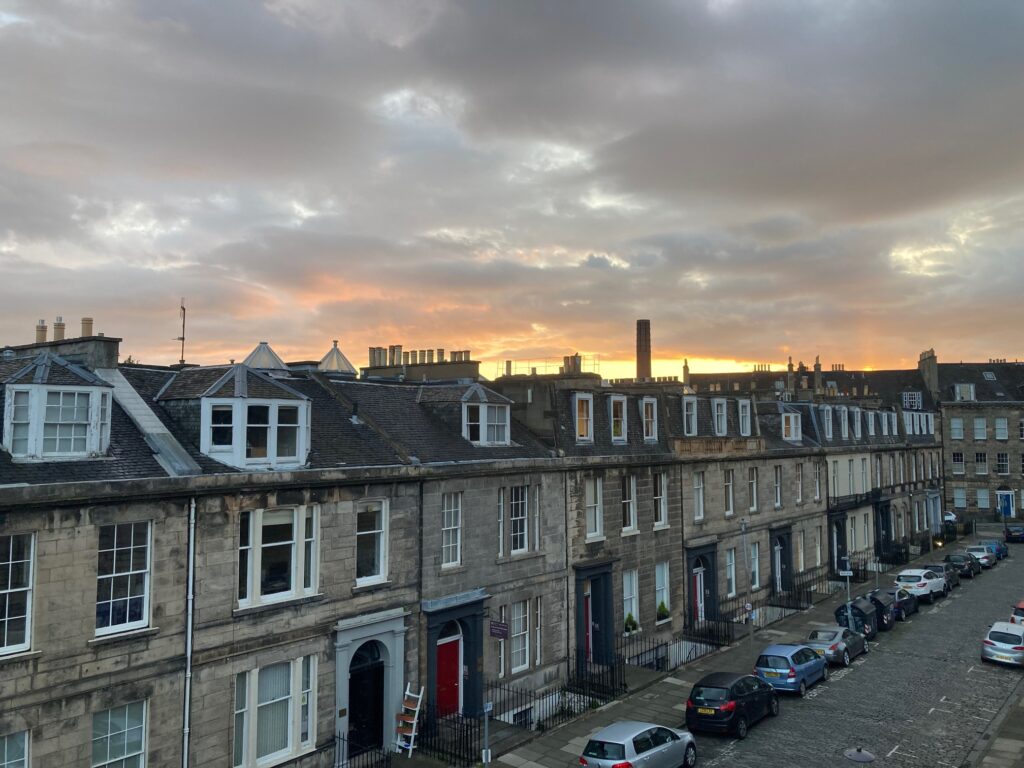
column 366, row 700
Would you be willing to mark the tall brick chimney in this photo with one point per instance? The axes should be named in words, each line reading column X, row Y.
column 643, row 349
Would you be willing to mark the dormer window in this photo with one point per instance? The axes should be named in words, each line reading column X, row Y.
column 912, row 400
column 869, row 416
column 844, row 423
column 244, row 432
column 963, row 392
column 617, row 404
column 47, row 422
column 689, row 416
column 718, row 407
column 791, row 429
column 485, row 424
column 883, row 417
column 855, row 415
column 826, row 418
column 892, row 422
column 744, row 406
column 584, row 417
column 649, row 408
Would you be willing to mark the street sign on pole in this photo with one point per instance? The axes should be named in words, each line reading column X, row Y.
column 846, row 573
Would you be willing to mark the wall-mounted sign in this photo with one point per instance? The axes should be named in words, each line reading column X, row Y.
column 499, row 629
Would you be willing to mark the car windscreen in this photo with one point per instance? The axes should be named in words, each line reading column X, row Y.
column 957, row 558
column 822, row 635
column 978, row 551
column 772, row 662
column 1005, row 637
column 604, row 750
column 1018, row 611
column 703, row 694
column 907, row 578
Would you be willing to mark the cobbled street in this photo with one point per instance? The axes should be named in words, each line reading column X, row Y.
column 921, row 697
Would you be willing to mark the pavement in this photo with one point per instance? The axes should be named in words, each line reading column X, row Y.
column 921, row 697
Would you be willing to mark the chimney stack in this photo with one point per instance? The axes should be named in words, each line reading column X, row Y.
column 87, row 326
column 41, row 332
column 440, row 355
column 643, row 349
column 58, row 329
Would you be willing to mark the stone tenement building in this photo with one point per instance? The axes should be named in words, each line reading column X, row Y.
column 246, row 564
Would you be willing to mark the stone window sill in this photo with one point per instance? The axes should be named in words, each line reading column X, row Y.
column 376, row 586
column 661, row 527
column 20, row 656
column 629, row 532
column 593, row 539
column 136, row 634
column 250, row 610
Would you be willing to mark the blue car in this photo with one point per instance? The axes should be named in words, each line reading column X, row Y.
column 1014, row 533
column 791, row 667
column 996, row 547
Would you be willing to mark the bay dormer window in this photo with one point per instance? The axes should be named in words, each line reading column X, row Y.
column 45, row 422
column 245, row 432
column 485, row 424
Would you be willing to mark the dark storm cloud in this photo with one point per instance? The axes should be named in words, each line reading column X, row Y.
column 524, row 178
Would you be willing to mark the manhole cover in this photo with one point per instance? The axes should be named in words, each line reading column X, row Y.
column 859, row 755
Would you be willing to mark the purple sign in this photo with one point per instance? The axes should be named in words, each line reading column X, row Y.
column 499, row 629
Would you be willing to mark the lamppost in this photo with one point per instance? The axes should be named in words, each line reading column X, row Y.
column 747, row 569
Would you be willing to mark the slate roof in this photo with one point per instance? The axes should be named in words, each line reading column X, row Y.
column 48, row 368
column 1007, row 386
column 602, row 445
column 227, row 381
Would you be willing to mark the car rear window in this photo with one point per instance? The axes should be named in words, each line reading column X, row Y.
column 1005, row 637
column 822, row 635
column 979, row 550
column 907, row 578
column 772, row 662
column 707, row 694
column 1018, row 611
column 604, row 750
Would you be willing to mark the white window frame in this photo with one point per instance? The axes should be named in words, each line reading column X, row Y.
column 234, row 454
column 118, row 760
column 826, row 420
column 755, row 565
column 659, row 482
column 865, row 479
column 519, row 641
column 1002, row 463
column 883, row 417
column 484, row 412
column 791, row 428
column 97, row 432
column 981, row 467
column 817, row 481
column 719, row 417
column 752, row 487
column 963, row 392
column 959, row 467
column 729, row 488
column 980, row 428
column 451, row 529
column 878, row 471
column 844, row 423
column 649, row 420
column 303, row 548
column 869, row 417
column 125, row 576
column 855, row 417
column 983, row 499
column 631, row 597
column 519, row 519
column 745, row 414
column 817, row 546
column 302, row 701
column 892, row 423
column 690, row 416
column 1020, row 429
column 800, row 550
column 730, row 572
column 618, row 401
column 383, row 545
column 583, row 420
column 777, row 473
column 662, row 591
column 956, row 428
column 7, row 559
column 850, row 477
column 698, row 496
column 7, row 758
column 596, row 505
column 799, row 482
column 537, row 627
column 629, row 513
column 960, row 498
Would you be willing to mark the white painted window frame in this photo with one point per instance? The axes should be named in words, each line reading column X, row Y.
column 689, row 416
column 613, row 402
column 247, row 716
column 720, row 416
column 583, row 436
column 234, row 455
column 483, row 413
column 745, row 417
column 650, row 424
column 97, row 433
column 298, row 560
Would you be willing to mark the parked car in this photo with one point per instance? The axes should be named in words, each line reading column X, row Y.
column 967, row 565
column 949, row 571
column 1004, row 643
column 923, row 583
column 885, row 608
column 904, row 603
column 1002, row 551
column 985, row 555
column 729, row 702
column 1017, row 614
column 791, row 668
column 1014, row 534
column 950, row 517
column 864, row 619
column 629, row 742
column 837, row 644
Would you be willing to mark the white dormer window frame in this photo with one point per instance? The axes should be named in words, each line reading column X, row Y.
column 282, row 428
column 618, row 418
column 744, row 411
column 883, row 418
column 583, row 416
column 869, row 417
column 963, row 392
column 892, row 423
column 844, row 423
column 791, row 429
column 719, row 417
column 80, row 415
column 486, row 424
column 855, row 417
column 908, row 422
column 689, row 416
column 826, row 419
column 649, row 418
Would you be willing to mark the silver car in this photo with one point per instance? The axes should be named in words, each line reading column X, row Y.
column 986, row 558
column 1004, row 643
column 837, row 644
column 646, row 744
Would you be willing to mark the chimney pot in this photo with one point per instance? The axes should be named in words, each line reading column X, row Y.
column 430, row 356
column 58, row 329
column 40, row 332
column 369, row 356
column 423, row 356
column 508, row 367
column 440, row 355
column 391, row 354
column 405, row 357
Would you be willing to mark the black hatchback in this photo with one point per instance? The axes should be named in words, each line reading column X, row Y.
column 729, row 702
column 885, row 608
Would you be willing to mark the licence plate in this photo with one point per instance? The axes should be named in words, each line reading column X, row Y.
column 705, row 711
column 771, row 674
column 819, row 652
column 1001, row 657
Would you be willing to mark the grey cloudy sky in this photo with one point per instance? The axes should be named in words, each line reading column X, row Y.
column 524, row 179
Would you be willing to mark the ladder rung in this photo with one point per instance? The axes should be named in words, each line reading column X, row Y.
column 411, row 703
column 405, row 730
column 404, row 718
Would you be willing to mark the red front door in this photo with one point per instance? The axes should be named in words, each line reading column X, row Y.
column 448, row 675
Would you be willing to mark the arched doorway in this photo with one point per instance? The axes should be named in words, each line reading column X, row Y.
column 449, row 669
column 700, row 569
column 366, row 698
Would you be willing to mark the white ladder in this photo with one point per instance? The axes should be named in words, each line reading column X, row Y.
column 408, row 720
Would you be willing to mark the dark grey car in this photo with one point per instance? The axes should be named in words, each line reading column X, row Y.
column 951, row 571
column 837, row 644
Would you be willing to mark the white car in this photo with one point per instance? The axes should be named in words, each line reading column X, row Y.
column 924, row 584
column 949, row 517
column 1004, row 643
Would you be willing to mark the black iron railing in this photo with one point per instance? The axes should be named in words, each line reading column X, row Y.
column 349, row 754
column 453, row 738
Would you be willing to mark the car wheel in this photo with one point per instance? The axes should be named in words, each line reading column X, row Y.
column 824, row 672
column 867, row 646
column 690, row 757
column 846, row 658
column 803, row 689
column 741, row 728
column 773, row 708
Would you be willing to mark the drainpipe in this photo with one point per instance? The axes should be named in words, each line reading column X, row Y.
column 189, row 600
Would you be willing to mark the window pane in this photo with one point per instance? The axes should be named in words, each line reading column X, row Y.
column 277, row 552
column 368, row 541
column 274, row 693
